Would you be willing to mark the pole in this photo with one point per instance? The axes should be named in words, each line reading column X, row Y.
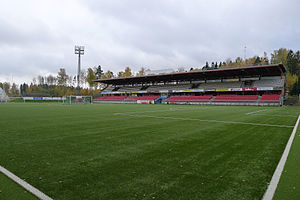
column 80, row 51
column 78, row 76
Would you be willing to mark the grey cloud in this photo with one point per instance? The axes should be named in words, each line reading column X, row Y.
column 136, row 33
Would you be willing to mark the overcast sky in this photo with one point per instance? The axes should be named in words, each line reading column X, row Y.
column 37, row 37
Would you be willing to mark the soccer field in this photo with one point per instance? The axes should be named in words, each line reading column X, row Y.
column 121, row 151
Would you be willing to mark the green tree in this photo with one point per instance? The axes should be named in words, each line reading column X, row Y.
column 206, row 67
column 295, row 89
column 292, row 62
column 98, row 72
column 24, row 88
column 257, row 61
column 216, row 65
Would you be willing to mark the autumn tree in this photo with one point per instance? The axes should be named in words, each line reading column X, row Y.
column 291, row 79
column 279, row 56
column 14, row 91
column 127, row 72
column 120, row 74
column 70, row 80
column 41, row 80
column 62, row 77
column 180, row 69
column 51, row 80
column 265, row 59
column 91, row 76
column 141, row 72
column 239, row 61
column 6, row 88
column 108, row 75
column 34, row 81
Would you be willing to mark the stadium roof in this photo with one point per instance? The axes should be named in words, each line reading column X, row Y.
column 265, row 70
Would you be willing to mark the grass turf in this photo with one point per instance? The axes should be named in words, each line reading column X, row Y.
column 11, row 190
column 87, row 152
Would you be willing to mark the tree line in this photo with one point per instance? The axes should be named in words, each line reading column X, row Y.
column 64, row 85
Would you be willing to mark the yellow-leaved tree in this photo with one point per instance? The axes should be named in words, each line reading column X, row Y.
column 291, row 79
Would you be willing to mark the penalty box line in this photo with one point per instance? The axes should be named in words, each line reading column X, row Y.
column 206, row 120
column 277, row 174
column 250, row 113
column 24, row 184
column 156, row 111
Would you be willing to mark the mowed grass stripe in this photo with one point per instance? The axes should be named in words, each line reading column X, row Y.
column 142, row 158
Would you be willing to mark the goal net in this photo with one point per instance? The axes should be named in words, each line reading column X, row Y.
column 78, row 100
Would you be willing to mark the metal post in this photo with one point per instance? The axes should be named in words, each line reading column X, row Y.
column 78, row 72
column 80, row 51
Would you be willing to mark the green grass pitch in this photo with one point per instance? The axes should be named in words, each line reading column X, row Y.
column 117, row 151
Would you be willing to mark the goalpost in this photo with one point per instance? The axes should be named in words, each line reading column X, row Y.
column 70, row 100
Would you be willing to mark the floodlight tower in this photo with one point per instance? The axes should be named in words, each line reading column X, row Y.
column 80, row 51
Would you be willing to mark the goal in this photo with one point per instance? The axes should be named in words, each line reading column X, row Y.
column 78, row 100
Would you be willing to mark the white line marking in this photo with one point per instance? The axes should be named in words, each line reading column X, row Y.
column 249, row 113
column 276, row 176
column 25, row 185
column 206, row 120
column 154, row 111
column 277, row 115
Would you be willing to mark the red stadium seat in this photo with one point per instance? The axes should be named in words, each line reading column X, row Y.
column 148, row 97
column 111, row 98
column 235, row 98
column 189, row 98
column 270, row 98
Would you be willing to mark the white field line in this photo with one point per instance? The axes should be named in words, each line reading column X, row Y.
column 276, row 176
column 25, row 185
column 250, row 113
column 206, row 120
column 294, row 116
column 155, row 111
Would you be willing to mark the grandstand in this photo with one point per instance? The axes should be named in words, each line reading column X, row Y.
column 254, row 85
